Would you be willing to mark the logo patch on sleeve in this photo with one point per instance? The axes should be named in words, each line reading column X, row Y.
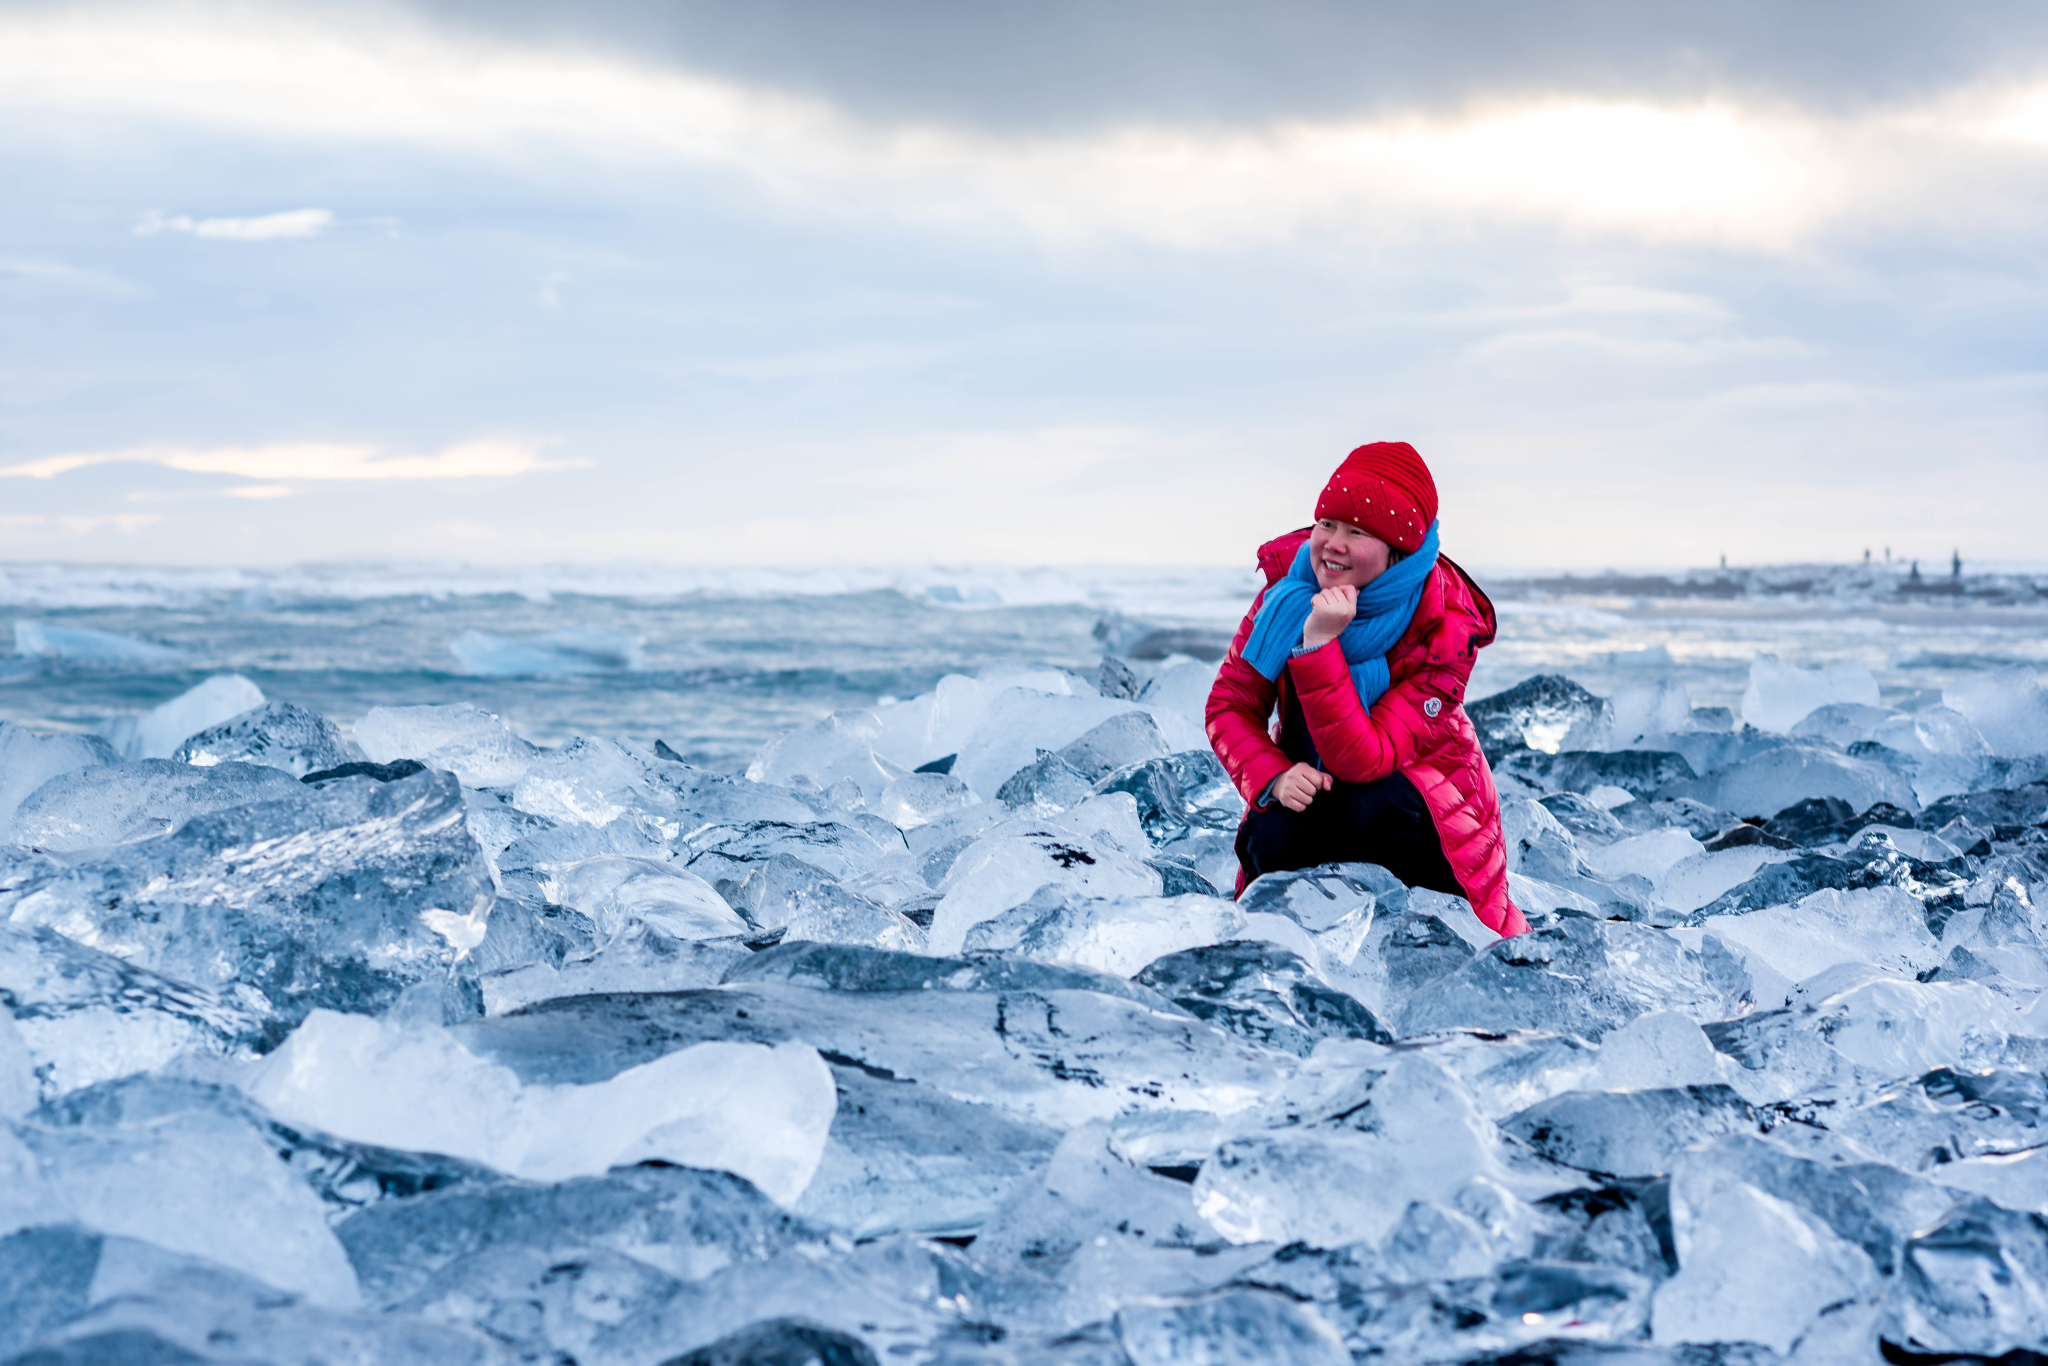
column 1432, row 707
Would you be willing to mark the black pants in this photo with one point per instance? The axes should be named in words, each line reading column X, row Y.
column 1383, row 822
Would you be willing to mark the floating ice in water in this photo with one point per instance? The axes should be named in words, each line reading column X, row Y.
column 156, row 734
column 1780, row 695
column 472, row 744
column 28, row 760
column 586, row 651
column 92, row 808
column 2008, row 707
column 78, row 642
column 279, row 734
column 761, row 1113
column 839, row 747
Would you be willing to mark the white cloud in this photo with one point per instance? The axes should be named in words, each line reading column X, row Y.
column 127, row 523
column 1720, row 172
column 309, row 462
column 268, row 228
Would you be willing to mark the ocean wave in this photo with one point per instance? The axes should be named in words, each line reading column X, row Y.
column 1200, row 592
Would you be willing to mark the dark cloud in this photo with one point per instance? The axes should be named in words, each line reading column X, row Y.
column 1060, row 64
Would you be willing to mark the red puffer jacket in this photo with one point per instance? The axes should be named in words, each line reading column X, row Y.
column 1419, row 728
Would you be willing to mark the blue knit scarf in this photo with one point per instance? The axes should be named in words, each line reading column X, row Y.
column 1385, row 607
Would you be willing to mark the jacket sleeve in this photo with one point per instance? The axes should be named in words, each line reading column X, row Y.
column 1240, row 702
column 1361, row 746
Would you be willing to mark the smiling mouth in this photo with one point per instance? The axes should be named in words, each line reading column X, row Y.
column 1334, row 567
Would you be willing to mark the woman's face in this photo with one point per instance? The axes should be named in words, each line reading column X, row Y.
column 1344, row 554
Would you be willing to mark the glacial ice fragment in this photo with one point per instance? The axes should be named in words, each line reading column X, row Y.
column 1780, row 695
column 200, row 1183
column 920, row 798
column 1630, row 1133
column 1536, row 713
column 82, row 1016
column 550, row 654
column 761, row 1113
column 1578, row 976
column 1751, row 1266
column 1129, row 738
column 616, row 890
column 1016, row 724
column 1262, row 992
column 1977, row 1282
column 471, row 743
column 1110, row 934
column 81, row 642
column 342, row 896
column 1003, row 867
column 686, row 1222
column 94, row 808
column 157, row 733
column 1777, row 778
column 1232, row 1326
column 841, row 746
column 278, row 734
column 2008, row 707
column 802, row 901
column 29, row 760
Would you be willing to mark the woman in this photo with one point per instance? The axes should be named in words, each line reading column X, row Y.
column 1365, row 636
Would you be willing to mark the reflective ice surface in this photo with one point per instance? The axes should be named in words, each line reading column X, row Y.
column 927, row 1037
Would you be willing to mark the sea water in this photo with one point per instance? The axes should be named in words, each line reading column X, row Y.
column 714, row 662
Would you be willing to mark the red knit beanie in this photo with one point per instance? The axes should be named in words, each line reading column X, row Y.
column 1385, row 488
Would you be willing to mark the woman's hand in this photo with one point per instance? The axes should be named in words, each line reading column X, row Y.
column 1297, row 787
column 1329, row 612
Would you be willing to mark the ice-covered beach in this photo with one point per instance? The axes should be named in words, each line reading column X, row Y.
column 404, row 967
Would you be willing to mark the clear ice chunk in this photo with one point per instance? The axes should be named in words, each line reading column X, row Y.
column 1977, row 1282
column 157, row 733
column 1631, row 1133
column 1261, row 992
column 1578, row 976
column 1769, row 782
column 471, row 743
column 1109, row 934
column 1005, row 866
column 1119, row 742
column 1045, row 787
column 1782, row 945
column 94, row 808
column 1231, row 1326
column 805, row 903
column 342, row 896
column 1398, row 1131
column 1016, row 724
column 842, row 746
column 1105, row 1231
column 29, row 760
column 81, row 1016
column 196, row 1182
column 917, row 799
column 1751, row 1267
column 761, row 1113
column 617, row 890
column 685, row 1222
column 279, row 734
column 2008, row 707
column 1780, row 695
column 1537, row 713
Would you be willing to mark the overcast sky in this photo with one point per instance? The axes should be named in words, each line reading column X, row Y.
column 806, row 281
